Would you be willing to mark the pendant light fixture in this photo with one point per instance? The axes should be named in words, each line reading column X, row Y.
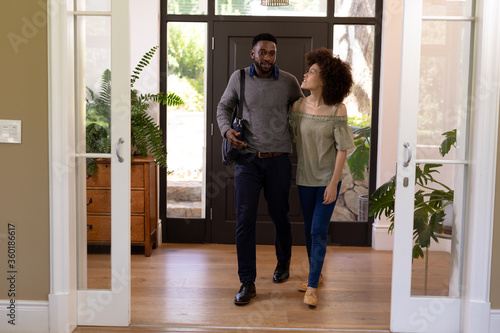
column 274, row 3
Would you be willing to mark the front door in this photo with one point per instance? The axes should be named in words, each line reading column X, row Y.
column 432, row 166
column 232, row 51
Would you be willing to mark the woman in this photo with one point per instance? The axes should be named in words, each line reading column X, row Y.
column 319, row 127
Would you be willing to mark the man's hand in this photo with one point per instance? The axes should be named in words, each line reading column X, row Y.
column 231, row 135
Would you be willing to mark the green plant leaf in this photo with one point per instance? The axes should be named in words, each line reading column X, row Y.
column 426, row 227
column 382, row 200
column 170, row 99
column 358, row 160
column 142, row 64
column 449, row 141
column 417, row 252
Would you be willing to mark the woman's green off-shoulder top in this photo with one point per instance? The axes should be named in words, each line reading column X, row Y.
column 318, row 139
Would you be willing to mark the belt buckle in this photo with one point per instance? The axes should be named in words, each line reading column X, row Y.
column 259, row 154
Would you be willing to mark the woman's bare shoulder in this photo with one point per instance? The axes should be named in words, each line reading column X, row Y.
column 296, row 105
column 341, row 110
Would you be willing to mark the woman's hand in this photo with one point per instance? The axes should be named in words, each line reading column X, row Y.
column 330, row 194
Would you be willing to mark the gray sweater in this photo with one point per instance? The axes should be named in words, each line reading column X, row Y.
column 265, row 111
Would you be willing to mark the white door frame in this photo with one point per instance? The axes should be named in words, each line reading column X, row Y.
column 477, row 265
column 63, row 296
column 476, row 307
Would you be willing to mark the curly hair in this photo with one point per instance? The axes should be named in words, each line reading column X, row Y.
column 335, row 74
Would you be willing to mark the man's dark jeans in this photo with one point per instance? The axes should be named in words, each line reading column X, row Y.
column 252, row 174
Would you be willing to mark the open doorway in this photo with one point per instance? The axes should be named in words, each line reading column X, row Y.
column 203, row 46
column 173, row 248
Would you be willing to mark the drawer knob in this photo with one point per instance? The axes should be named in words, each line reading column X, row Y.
column 90, row 227
column 90, row 201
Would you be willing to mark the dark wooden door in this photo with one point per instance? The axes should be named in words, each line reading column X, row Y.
column 232, row 51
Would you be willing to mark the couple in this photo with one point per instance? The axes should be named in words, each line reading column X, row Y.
column 318, row 124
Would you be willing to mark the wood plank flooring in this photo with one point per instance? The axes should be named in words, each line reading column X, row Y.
column 191, row 287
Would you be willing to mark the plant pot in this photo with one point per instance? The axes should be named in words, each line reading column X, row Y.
column 363, row 208
column 448, row 220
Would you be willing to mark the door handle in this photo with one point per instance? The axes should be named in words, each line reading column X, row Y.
column 406, row 145
column 120, row 141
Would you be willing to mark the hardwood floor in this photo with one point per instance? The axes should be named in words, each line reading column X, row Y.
column 191, row 287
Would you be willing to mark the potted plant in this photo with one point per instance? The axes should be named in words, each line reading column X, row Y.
column 431, row 198
column 146, row 135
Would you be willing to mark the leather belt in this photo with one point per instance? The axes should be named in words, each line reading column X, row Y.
column 267, row 155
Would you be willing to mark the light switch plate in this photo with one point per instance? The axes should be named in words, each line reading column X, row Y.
column 10, row 131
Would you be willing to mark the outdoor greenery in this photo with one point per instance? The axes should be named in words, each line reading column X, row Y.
column 430, row 199
column 186, row 62
column 146, row 135
column 355, row 121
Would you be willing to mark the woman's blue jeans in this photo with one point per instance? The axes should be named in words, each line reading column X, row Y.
column 316, row 221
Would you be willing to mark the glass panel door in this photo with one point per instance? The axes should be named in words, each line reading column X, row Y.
column 103, row 161
column 432, row 169
column 94, row 137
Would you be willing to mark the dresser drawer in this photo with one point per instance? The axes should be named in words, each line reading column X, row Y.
column 137, row 202
column 137, row 230
column 102, row 177
column 99, row 201
column 99, row 229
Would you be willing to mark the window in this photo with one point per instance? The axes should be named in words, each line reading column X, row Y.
column 186, row 123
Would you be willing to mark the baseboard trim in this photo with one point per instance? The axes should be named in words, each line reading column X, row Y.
column 495, row 321
column 28, row 316
column 382, row 240
column 61, row 319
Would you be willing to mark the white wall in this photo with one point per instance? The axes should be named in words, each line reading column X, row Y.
column 388, row 109
column 145, row 33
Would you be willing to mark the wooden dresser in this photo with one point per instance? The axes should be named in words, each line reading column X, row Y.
column 144, row 216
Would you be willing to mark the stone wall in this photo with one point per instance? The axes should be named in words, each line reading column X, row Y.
column 346, row 208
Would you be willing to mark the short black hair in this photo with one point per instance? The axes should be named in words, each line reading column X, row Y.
column 264, row 36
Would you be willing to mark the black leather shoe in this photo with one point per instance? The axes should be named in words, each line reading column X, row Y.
column 282, row 272
column 247, row 291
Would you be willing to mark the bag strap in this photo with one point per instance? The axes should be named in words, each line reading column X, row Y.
column 239, row 113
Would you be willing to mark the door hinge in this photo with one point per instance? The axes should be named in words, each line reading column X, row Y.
column 212, row 129
column 213, row 43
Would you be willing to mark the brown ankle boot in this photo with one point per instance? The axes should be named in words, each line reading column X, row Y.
column 303, row 285
column 311, row 296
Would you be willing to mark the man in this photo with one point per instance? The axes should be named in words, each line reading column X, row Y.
column 264, row 161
